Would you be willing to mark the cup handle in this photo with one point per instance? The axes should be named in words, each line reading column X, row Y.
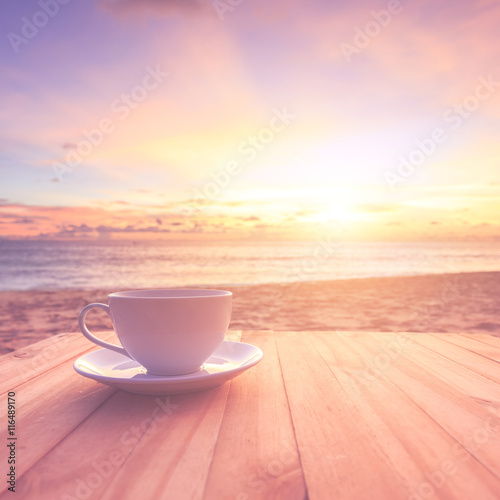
column 86, row 332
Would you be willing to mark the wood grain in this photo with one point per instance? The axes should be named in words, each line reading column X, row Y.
column 345, row 415
column 24, row 364
column 131, row 447
column 485, row 338
column 425, row 459
column 339, row 456
column 475, row 428
column 166, row 442
column 456, row 354
column 257, row 436
column 475, row 345
column 463, row 379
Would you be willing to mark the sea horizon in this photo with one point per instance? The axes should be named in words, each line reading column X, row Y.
column 130, row 264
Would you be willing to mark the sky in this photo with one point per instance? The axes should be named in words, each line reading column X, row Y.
column 246, row 119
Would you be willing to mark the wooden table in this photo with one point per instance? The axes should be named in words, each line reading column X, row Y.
column 325, row 415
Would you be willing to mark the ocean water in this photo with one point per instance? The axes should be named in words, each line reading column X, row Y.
column 28, row 265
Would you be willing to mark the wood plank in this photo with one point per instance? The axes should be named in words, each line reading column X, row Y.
column 493, row 340
column 133, row 447
column 339, row 457
column 465, row 380
column 404, row 431
column 179, row 471
column 475, row 345
column 390, row 438
column 166, row 444
column 484, row 366
column 256, row 453
column 28, row 362
column 49, row 407
column 474, row 427
column 176, row 465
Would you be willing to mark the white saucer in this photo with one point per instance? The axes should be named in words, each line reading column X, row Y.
column 117, row 370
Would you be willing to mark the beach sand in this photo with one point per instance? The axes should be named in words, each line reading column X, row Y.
column 451, row 303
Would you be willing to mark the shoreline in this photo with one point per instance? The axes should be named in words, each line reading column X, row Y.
column 447, row 303
column 249, row 285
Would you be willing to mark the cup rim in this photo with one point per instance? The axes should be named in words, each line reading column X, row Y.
column 199, row 293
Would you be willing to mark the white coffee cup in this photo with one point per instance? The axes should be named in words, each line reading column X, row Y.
column 169, row 332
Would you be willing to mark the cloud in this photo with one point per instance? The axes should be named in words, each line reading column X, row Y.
column 81, row 228
column 139, row 227
column 21, row 219
column 164, row 7
column 131, row 229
